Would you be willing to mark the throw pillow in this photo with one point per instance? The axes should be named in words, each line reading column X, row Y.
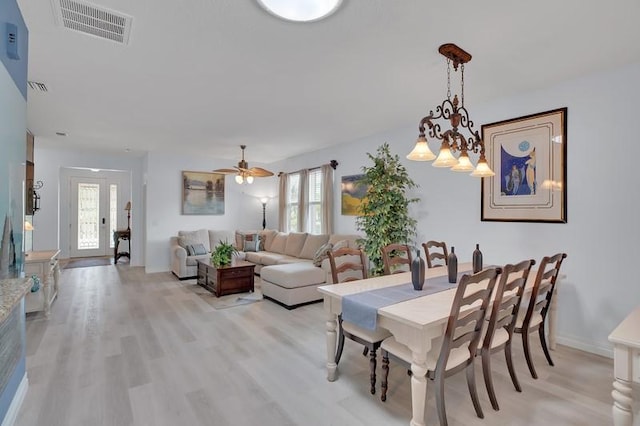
column 321, row 253
column 251, row 242
column 196, row 249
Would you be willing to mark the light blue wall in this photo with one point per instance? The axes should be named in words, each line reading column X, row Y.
column 13, row 127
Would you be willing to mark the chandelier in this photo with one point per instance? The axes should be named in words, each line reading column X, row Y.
column 452, row 140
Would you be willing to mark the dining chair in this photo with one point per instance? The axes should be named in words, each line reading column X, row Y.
column 533, row 317
column 459, row 344
column 394, row 256
column 436, row 253
column 501, row 322
column 350, row 265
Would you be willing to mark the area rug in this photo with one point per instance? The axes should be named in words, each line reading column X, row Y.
column 227, row 301
column 88, row 261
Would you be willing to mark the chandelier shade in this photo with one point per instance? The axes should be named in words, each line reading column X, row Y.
column 452, row 140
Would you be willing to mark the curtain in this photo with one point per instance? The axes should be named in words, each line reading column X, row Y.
column 327, row 199
column 303, row 210
column 282, row 202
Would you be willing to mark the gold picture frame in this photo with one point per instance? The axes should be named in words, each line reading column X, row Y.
column 202, row 193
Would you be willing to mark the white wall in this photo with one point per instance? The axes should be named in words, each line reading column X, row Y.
column 602, row 232
column 163, row 173
column 50, row 230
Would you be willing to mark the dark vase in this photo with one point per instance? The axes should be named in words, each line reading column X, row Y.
column 417, row 271
column 452, row 265
column 477, row 259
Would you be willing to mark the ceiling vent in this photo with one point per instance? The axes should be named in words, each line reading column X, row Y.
column 37, row 86
column 93, row 20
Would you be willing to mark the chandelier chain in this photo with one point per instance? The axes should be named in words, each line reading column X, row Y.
column 462, row 84
column 449, row 79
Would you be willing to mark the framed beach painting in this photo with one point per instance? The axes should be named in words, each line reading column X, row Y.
column 354, row 193
column 529, row 157
column 202, row 193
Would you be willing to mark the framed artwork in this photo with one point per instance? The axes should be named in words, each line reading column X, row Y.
column 529, row 157
column 354, row 193
column 202, row 193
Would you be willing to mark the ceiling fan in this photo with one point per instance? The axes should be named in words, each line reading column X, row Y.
column 243, row 172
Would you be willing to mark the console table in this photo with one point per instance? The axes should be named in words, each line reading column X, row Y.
column 44, row 264
column 124, row 235
column 626, row 366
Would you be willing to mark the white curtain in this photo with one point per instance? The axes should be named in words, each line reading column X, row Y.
column 282, row 202
column 327, row 199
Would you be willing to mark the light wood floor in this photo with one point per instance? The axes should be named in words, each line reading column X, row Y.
column 126, row 348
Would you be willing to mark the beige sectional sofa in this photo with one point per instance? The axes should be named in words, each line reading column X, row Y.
column 292, row 265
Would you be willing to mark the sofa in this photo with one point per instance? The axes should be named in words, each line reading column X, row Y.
column 291, row 265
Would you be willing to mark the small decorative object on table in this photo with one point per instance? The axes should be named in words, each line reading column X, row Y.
column 477, row 259
column 452, row 265
column 417, row 271
column 36, row 283
column 222, row 253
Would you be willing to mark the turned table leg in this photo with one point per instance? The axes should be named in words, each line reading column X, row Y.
column 331, row 324
column 622, row 403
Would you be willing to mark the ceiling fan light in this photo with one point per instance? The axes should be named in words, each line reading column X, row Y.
column 239, row 179
column 249, row 179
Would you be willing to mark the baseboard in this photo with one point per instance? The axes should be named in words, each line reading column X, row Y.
column 584, row 346
column 16, row 403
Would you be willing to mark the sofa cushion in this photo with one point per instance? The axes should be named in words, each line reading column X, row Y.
column 279, row 243
column 293, row 275
column 312, row 244
column 321, row 253
column 254, row 257
column 266, row 238
column 196, row 249
column 269, row 258
column 351, row 238
column 201, row 236
column 216, row 237
column 291, row 259
column 295, row 242
column 251, row 242
column 193, row 260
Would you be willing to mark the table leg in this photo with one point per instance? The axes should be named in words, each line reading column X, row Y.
column 419, row 384
column 331, row 324
column 622, row 403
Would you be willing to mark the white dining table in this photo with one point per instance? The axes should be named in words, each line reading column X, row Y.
column 417, row 323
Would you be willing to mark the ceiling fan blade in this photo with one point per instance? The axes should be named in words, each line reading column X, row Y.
column 260, row 172
column 226, row 171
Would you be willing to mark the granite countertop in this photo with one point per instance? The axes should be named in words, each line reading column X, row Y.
column 11, row 291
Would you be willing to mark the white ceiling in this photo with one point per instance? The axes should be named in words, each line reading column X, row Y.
column 204, row 76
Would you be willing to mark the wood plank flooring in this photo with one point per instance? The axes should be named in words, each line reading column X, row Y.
column 127, row 348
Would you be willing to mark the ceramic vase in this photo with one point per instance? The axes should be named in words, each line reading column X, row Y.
column 452, row 266
column 417, row 271
column 477, row 259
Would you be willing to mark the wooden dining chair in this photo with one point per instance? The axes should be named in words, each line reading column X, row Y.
column 459, row 344
column 533, row 317
column 436, row 253
column 502, row 321
column 394, row 256
column 350, row 265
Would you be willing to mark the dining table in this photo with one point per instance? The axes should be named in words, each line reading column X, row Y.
column 418, row 323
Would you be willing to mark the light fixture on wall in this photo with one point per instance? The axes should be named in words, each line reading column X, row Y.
column 128, row 209
column 264, row 201
column 34, row 187
column 452, row 140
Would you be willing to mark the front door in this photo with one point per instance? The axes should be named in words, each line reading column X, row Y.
column 93, row 216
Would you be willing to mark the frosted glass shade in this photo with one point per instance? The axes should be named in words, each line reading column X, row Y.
column 249, row 179
column 445, row 157
column 421, row 151
column 464, row 164
column 483, row 169
column 300, row 10
column 239, row 179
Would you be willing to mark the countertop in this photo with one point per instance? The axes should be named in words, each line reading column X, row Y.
column 11, row 291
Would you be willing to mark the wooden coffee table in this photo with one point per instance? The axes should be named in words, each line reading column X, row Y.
column 234, row 278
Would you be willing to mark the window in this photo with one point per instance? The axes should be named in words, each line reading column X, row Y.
column 305, row 215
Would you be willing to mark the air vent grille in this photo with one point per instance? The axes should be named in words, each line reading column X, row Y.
column 37, row 86
column 94, row 20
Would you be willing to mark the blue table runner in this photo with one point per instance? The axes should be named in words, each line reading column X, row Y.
column 361, row 309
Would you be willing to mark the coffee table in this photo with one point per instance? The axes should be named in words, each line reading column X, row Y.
column 234, row 278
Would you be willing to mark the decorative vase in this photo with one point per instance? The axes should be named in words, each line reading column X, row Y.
column 452, row 265
column 417, row 271
column 477, row 259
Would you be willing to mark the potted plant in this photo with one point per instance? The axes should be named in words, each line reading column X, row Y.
column 222, row 254
column 384, row 217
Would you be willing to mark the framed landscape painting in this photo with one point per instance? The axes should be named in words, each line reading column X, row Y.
column 202, row 193
column 529, row 157
column 354, row 193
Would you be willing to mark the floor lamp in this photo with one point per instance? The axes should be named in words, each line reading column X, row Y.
column 264, row 211
column 128, row 209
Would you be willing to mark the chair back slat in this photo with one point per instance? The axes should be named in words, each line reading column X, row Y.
column 544, row 286
column 468, row 312
column 436, row 253
column 340, row 265
column 394, row 256
column 507, row 299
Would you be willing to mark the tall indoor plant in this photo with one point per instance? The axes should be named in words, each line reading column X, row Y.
column 384, row 217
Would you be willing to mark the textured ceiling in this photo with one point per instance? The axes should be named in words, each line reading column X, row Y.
column 204, row 76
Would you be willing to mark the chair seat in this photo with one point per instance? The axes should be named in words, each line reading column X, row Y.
column 457, row 356
column 500, row 337
column 377, row 335
column 535, row 319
